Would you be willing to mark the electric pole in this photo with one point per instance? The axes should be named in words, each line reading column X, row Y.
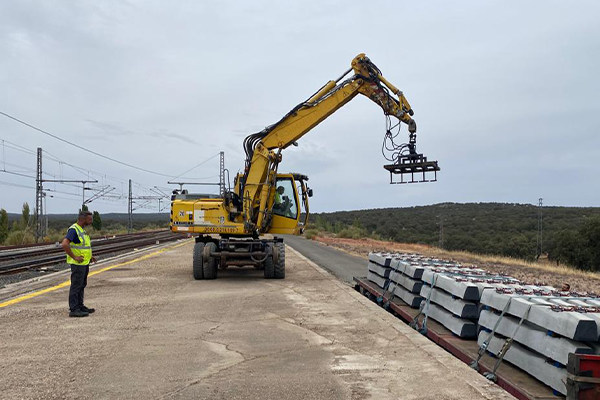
column 39, row 195
column 130, row 209
column 222, row 173
column 540, row 237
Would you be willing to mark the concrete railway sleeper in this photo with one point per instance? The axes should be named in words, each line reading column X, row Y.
column 211, row 254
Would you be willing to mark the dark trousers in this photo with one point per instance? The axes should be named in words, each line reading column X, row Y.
column 79, row 274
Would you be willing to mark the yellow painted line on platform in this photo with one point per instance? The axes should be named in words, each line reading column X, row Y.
column 68, row 283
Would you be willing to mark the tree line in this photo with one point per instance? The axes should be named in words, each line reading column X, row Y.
column 570, row 235
column 17, row 229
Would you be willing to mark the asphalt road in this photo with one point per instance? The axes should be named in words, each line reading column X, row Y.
column 341, row 264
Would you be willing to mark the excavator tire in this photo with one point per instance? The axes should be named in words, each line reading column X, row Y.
column 269, row 266
column 279, row 261
column 198, row 261
column 210, row 263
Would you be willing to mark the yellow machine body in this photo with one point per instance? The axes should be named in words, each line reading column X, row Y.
column 200, row 214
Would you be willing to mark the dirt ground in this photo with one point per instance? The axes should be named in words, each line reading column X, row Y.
column 541, row 272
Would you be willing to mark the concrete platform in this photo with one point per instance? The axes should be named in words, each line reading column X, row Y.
column 458, row 307
column 531, row 362
column 535, row 338
column 157, row 333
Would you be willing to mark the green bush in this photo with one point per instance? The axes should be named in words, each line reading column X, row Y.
column 311, row 233
column 19, row 237
column 352, row 232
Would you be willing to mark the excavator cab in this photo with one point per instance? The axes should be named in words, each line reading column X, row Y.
column 288, row 199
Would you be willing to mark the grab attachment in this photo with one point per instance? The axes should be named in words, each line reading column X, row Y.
column 409, row 164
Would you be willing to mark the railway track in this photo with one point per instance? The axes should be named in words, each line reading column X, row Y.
column 22, row 259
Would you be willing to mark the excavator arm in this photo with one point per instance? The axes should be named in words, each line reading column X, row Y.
column 263, row 149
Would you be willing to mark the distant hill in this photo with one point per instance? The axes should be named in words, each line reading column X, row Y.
column 490, row 228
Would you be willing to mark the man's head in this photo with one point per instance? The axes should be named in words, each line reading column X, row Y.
column 85, row 218
column 565, row 287
column 280, row 190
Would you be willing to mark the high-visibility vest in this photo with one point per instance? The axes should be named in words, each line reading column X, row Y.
column 83, row 248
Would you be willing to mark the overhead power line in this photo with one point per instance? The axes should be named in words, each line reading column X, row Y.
column 84, row 148
column 16, row 185
column 196, row 166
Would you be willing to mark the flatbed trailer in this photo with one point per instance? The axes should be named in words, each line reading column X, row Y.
column 512, row 379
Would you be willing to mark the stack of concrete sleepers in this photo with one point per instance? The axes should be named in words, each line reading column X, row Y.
column 453, row 296
column 554, row 324
column 409, row 277
column 405, row 280
column 378, row 269
column 469, row 302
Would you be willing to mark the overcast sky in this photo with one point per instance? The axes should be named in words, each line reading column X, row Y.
column 505, row 94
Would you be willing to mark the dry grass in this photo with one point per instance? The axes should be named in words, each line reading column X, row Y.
column 542, row 271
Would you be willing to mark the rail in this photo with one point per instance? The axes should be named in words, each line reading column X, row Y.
column 20, row 260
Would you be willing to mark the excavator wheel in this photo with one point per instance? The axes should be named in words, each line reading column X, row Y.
column 210, row 263
column 198, row 261
column 268, row 265
column 279, row 261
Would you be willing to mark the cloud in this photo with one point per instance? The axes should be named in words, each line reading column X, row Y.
column 114, row 129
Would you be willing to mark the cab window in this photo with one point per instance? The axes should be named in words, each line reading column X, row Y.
column 285, row 199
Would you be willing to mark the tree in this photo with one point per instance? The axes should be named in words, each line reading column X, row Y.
column 25, row 216
column 3, row 225
column 590, row 234
column 83, row 208
column 96, row 221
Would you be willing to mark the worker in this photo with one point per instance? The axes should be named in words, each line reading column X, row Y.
column 78, row 247
column 280, row 190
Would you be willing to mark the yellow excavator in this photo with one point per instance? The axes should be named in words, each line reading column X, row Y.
column 228, row 227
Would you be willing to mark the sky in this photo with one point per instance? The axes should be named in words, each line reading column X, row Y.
column 505, row 95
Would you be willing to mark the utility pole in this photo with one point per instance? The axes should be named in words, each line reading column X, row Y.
column 130, row 209
column 39, row 195
column 540, row 237
column 45, row 214
column 222, row 173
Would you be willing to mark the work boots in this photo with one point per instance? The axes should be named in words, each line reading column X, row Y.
column 78, row 313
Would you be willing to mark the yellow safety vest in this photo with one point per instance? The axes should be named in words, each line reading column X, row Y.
column 83, row 248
